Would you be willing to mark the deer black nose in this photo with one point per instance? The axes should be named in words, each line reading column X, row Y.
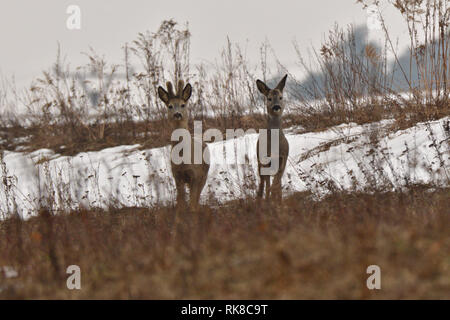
column 178, row 115
column 276, row 108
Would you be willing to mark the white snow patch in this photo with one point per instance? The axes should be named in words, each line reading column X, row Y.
column 344, row 157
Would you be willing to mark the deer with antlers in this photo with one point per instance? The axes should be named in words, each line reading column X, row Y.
column 187, row 173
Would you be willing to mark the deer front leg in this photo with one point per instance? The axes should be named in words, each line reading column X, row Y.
column 276, row 187
column 262, row 181
column 181, row 195
column 196, row 187
column 194, row 196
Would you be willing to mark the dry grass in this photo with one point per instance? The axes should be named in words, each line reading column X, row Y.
column 303, row 249
column 151, row 134
column 154, row 133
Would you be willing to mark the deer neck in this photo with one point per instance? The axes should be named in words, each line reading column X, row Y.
column 274, row 122
column 178, row 125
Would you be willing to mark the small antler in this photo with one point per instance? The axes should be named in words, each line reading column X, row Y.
column 170, row 89
column 178, row 93
column 180, row 88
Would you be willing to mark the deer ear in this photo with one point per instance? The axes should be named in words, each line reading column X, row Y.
column 163, row 95
column 262, row 87
column 282, row 83
column 187, row 91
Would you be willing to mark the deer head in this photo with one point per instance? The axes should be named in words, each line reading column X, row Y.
column 274, row 97
column 176, row 102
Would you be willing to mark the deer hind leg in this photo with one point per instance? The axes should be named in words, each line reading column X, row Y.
column 276, row 189
column 262, row 181
column 267, row 180
column 260, row 189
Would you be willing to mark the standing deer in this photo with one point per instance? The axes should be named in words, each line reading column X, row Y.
column 190, row 174
column 274, row 107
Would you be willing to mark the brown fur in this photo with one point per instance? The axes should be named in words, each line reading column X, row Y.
column 274, row 99
column 192, row 175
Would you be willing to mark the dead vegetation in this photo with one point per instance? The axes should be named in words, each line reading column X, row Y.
column 304, row 249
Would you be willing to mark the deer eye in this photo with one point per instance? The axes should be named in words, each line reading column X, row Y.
column 182, row 105
column 281, row 98
column 170, row 107
column 270, row 99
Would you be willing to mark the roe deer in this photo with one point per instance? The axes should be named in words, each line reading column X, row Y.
column 190, row 174
column 274, row 107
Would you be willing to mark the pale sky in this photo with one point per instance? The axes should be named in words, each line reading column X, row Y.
column 30, row 30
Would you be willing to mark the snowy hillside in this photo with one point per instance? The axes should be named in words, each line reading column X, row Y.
column 342, row 157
